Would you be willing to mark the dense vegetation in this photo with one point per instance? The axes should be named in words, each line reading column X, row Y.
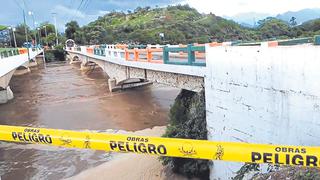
column 180, row 24
column 2, row 27
column 45, row 35
column 188, row 120
column 56, row 54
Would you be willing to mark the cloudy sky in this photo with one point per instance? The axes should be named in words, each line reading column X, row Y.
column 88, row 10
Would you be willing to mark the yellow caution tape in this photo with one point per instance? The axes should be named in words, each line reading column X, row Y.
column 186, row 148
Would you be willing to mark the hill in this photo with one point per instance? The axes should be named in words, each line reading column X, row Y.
column 301, row 16
column 2, row 27
column 180, row 24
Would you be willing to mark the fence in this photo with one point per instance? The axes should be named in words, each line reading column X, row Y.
column 191, row 55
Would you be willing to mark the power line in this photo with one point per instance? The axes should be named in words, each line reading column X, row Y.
column 18, row 4
column 85, row 7
column 78, row 9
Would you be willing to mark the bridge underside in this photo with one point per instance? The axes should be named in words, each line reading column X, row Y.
column 121, row 74
column 5, row 91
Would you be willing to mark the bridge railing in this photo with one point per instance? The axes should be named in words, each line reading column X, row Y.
column 8, row 52
column 190, row 51
column 115, row 54
column 152, row 55
column 192, row 54
column 286, row 42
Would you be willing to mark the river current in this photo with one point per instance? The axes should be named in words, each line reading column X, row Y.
column 61, row 96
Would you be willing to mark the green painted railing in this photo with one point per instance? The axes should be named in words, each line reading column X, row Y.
column 7, row 52
column 99, row 51
column 288, row 42
column 190, row 50
column 297, row 41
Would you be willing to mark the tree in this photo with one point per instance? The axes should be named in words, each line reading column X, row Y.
column 51, row 39
column 71, row 28
column 21, row 35
column 49, row 27
column 293, row 21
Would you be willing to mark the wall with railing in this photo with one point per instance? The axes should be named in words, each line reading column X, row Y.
column 8, row 52
column 191, row 54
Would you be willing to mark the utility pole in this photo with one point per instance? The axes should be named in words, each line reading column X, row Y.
column 26, row 32
column 55, row 26
column 9, row 29
column 34, row 27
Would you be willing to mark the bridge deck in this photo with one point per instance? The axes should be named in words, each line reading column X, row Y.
column 10, row 63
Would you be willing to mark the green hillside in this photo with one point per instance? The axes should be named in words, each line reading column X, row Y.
column 180, row 24
column 2, row 27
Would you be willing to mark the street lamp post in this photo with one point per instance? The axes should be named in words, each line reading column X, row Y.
column 9, row 29
column 34, row 26
column 55, row 26
column 14, row 37
column 26, row 32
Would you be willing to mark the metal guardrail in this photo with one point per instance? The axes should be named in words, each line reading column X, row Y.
column 4, row 53
column 191, row 55
column 288, row 42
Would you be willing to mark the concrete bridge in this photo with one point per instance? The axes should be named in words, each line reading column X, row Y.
column 265, row 93
column 122, row 71
column 14, row 61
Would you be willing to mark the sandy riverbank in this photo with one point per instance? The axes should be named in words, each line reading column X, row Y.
column 131, row 166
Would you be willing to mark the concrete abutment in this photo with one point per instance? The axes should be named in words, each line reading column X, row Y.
column 6, row 94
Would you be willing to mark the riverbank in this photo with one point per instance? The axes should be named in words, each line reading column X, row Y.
column 131, row 166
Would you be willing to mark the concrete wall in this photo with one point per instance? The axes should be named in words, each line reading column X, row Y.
column 180, row 76
column 262, row 95
column 13, row 62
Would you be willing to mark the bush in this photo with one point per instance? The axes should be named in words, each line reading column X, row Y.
column 188, row 120
column 55, row 55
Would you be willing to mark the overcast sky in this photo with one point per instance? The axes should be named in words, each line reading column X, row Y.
column 11, row 13
column 233, row 7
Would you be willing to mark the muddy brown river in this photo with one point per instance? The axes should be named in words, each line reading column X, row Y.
column 61, row 96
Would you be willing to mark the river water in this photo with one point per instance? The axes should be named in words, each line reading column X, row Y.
column 61, row 96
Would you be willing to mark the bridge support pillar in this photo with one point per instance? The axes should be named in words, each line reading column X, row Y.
column 5, row 95
column 112, row 84
column 22, row 71
column 84, row 66
column 33, row 63
column 74, row 62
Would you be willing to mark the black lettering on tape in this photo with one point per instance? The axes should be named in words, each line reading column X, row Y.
column 312, row 161
column 162, row 149
column 113, row 145
column 255, row 156
column 14, row 135
column 121, row 146
column 267, row 157
column 297, row 160
column 152, row 149
column 142, row 148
